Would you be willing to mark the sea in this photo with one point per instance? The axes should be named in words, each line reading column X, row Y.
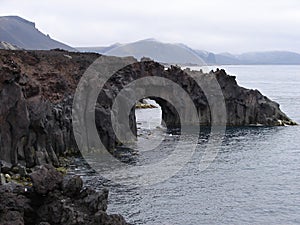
column 254, row 178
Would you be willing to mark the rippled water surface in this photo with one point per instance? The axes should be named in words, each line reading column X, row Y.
column 255, row 178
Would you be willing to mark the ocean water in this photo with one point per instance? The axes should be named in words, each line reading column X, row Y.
column 255, row 178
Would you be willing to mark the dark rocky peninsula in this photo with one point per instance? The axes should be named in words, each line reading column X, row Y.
column 36, row 95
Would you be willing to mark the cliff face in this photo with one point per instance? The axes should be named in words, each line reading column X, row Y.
column 36, row 96
column 36, row 99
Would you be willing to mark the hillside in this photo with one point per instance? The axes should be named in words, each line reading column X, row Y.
column 158, row 51
column 23, row 34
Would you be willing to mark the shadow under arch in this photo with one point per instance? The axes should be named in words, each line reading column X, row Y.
column 169, row 115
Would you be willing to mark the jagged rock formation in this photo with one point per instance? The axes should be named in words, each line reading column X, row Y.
column 36, row 95
column 54, row 199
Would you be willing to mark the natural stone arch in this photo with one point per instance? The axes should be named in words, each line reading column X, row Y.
column 244, row 107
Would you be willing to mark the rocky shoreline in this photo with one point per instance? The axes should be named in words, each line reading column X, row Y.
column 51, row 198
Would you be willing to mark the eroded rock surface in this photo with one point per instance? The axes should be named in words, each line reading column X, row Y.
column 63, row 201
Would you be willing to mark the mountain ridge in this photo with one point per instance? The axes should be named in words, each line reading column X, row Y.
column 206, row 57
column 19, row 33
column 22, row 33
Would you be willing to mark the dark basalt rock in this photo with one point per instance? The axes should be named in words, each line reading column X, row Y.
column 54, row 205
column 73, row 186
column 46, row 179
column 36, row 96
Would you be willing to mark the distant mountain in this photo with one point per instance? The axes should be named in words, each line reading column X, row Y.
column 18, row 33
column 100, row 50
column 262, row 58
column 208, row 57
column 184, row 55
column 22, row 33
column 158, row 51
column 274, row 57
column 227, row 59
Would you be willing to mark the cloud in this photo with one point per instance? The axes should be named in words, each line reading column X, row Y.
column 214, row 25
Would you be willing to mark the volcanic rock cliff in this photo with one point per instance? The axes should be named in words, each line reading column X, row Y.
column 36, row 96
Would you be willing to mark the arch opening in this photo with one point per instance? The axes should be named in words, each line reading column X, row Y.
column 156, row 113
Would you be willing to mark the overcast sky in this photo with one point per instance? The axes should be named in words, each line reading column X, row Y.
column 214, row 25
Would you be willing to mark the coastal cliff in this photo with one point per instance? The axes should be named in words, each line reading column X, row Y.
column 36, row 96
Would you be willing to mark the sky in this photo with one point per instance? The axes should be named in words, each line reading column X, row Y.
column 233, row 26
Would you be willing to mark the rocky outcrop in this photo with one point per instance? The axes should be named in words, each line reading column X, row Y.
column 36, row 95
column 54, row 200
column 244, row 107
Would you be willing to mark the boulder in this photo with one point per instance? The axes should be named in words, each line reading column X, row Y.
column 72, row 186
column 46, row 179
column 5, row 167
column 95, row 200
